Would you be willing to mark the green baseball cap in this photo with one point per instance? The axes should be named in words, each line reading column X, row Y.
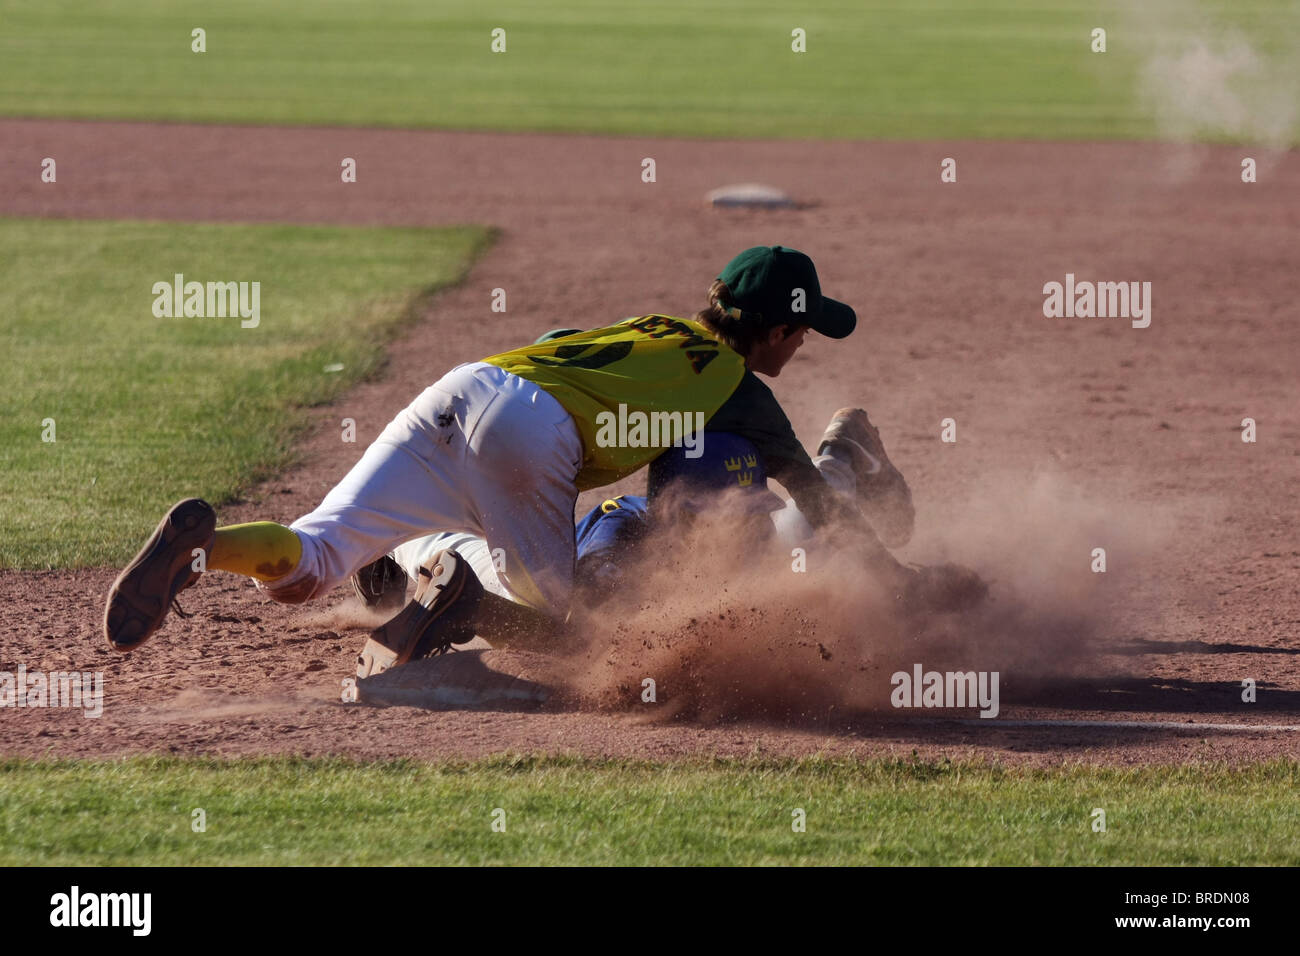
column 763, row 282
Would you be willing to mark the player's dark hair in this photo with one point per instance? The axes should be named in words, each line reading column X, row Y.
column 739, row 332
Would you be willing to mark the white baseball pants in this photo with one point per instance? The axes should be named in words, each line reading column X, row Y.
column 792, row 528
column 482, row 452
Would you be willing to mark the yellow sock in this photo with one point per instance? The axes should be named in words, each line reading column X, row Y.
column 260, row 549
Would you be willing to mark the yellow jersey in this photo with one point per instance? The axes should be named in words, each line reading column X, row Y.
column 641, row 371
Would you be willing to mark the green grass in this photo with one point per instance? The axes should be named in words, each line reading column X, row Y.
column 703, row 68
column 148, row 410
column 561, row 810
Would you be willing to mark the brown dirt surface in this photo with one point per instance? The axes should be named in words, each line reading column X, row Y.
column 1072, row 434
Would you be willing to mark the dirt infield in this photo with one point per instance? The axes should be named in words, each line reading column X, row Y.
column 1071, row 434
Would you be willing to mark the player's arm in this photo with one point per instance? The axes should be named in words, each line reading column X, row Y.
column 833, row 516
column 754, row 413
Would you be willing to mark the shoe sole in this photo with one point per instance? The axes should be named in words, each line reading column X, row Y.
column 395, row 643
column 142, row 594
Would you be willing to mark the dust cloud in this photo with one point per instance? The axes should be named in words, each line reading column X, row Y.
column 727, row 628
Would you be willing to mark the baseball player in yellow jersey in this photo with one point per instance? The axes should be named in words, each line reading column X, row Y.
column 500, row 449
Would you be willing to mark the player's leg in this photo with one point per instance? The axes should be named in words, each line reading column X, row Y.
column 503, row 615
column 526, row 453
column 521, row 465
column 415, row 554
column 522, row 492
column 525, row 466
column 407, row 483
column 609, row 538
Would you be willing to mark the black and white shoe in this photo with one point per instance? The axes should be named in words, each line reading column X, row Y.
column 441, row 614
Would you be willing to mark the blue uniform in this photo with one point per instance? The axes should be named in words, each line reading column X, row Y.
column 608, row 535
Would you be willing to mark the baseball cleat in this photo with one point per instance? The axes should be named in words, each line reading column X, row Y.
column 143, row 592
column 381, row 585
column 851, row 433
column 442, row 613
column 882, row 492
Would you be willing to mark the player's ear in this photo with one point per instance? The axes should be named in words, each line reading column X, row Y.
column 782, row 332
